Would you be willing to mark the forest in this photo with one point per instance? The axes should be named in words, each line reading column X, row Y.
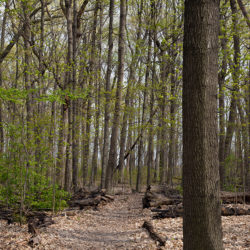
column 124, row 108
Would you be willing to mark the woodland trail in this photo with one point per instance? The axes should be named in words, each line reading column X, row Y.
column 117, row 225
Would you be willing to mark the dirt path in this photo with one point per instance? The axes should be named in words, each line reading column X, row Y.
column 115, row 226
column 118, row 225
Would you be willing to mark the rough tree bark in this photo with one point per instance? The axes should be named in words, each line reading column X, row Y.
column 202, row 219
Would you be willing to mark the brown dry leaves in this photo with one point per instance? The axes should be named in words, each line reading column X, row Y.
column 117, row 225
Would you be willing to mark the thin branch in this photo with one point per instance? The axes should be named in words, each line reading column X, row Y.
column 137, row 139
column 80, row 13
column 63, row 7
column 244, row 12
column 16, row 37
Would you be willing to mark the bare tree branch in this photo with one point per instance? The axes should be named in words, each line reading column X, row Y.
column 80, row 13
column 14, row 40
column 244, row 12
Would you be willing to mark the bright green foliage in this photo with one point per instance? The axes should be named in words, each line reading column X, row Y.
column 23, row 181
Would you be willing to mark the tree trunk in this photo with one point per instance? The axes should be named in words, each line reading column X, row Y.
column 247, row 172
column 244, row 131
column 173, row 86
column 67, row 174
column 147, row 79
column 4, row 20
column 157, row 155
column 61, row 147
column 64, row 132
column 97, row 101
column 107, row 95
column 163, row 125
column 235, row 76
column 221, row 80
column 202, row 219
column 75, row 109
column 92, row 78
column 116, row 120
column 131, row 80
column 150, row 163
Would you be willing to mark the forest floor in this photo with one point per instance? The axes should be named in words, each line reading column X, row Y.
column 117, row 225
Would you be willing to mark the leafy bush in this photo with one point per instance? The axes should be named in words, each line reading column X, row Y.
column 24, row 180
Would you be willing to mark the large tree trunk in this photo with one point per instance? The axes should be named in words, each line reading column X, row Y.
column 202, row 219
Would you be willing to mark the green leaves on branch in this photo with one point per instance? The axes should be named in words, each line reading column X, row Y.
column 13, row 95
column 19, row 95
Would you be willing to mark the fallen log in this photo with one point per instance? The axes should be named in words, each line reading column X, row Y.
column 235, row 198
column 170, row 212
column 32, row 229
column 7, row 214
column 88, row 202
column 39, row 219
column 152, row 199
column 85, row 199
column 166, row 196
column 155, row 236
column 34, row 241
column 111, row 198
column 35, row 218
column 234, row 211
column 177, row 211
